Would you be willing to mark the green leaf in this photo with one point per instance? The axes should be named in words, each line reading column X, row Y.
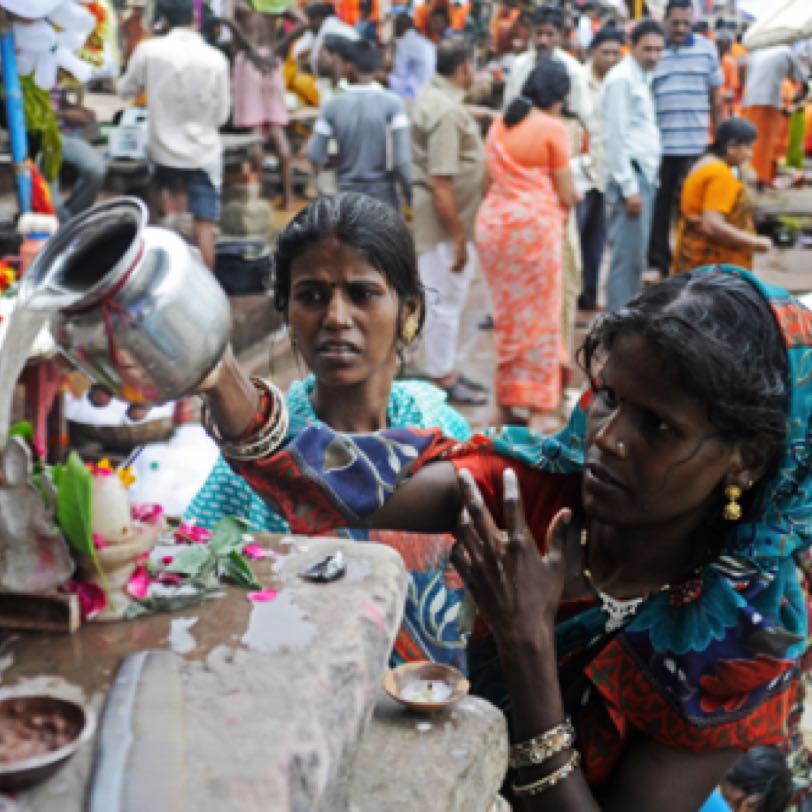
column 235, row 568
column 73, row 505
column 227, row 535
column 190, row 560
column 168, row 603
column 22, row 429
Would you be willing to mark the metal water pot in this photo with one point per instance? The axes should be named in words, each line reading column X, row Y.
column 135, row 309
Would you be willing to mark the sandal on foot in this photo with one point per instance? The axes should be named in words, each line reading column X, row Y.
column 480, row 387
column 465, row 395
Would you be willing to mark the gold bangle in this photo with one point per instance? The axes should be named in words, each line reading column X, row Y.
column 534, row 751
column 537, row 787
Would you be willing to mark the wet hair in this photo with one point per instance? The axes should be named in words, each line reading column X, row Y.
column 609, row 33
column 718, row 340
column 358, row 221
column 452, row 52
column 763, row 771
column 175, row 12
column 732, row 132
column 678, row 4
column 646, row 27
column 441, row 11
column 363, row 56
column 724, row 42
column 547, row 84
column 554, row 15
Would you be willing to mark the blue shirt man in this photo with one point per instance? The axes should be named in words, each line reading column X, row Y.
column 414, row 60
column 688, row 101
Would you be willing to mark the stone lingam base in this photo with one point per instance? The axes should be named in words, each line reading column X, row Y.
column 260, row 706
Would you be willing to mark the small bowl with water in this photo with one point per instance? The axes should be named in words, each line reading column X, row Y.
column 425, row 686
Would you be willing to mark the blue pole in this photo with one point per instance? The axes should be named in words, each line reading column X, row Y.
column 16, row 119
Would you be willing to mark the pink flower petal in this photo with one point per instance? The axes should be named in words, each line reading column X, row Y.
column 256, row 552
column 169, row 578
column 138, row 585
column 91, row 597
column 146, row 512
column 262, row 596
column 99, row 542
column 167, row 559
column 188, row 533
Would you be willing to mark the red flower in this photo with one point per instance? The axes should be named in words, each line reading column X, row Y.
column 733, row 681
column 91, row 597
column 139, row 582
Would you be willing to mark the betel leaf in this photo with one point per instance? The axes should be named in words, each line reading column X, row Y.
column 190, row 560
column 235, row 568
column 73, row 504
column 227, row 535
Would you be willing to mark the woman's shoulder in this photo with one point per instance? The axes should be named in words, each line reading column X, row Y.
column 424, row 405
column 712, row 167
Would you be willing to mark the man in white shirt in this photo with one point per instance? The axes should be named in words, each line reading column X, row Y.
column 604, row 54
column 632, row 151
column 546, row 38
column 188, row 99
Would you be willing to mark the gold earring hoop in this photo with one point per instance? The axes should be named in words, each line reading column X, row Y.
column 732, row 510
column 409, row 330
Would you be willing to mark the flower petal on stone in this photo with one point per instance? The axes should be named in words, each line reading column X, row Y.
column 98, row 541
column 188, row 533
column 262, row 596
column 138, row 585
column 256, row 552
column 146, row 512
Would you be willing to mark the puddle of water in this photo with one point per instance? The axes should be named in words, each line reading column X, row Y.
column 181, row 641
column 278, row 625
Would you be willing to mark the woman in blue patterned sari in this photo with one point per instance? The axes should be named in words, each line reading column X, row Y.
column 641, row 614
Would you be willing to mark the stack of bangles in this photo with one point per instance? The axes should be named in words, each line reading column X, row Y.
column 536, row 751
column 265, row 440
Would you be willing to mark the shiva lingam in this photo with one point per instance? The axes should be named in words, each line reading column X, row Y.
column 121, row 536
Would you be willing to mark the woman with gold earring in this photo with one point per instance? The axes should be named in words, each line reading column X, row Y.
column 346, row 280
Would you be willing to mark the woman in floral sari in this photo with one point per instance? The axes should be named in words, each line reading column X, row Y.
column 636, row 572
column 519, row 239
column 716, row 215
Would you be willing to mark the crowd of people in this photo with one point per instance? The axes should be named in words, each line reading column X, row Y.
column 635, row 564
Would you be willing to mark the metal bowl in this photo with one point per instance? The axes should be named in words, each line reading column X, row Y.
column 79, row 725
column 425, row 686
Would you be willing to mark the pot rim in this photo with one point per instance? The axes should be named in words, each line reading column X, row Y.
column 45, row 262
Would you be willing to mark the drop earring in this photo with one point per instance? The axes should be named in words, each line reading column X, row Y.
column 409, row 330
column 732, row 510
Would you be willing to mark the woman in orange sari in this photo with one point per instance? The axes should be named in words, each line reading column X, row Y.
column 716, row 215
column 519, row 239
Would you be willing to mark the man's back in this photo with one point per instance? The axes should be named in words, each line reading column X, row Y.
column 188, row 96
column 766, row 71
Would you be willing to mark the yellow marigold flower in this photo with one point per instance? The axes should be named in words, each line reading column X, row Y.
column 126, row 476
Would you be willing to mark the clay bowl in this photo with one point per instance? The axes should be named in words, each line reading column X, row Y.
column 77, row 723
column 425, row 686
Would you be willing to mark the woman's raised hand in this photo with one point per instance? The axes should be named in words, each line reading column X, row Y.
column 516, row 588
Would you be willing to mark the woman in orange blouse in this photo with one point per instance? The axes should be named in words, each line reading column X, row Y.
column 716, row 215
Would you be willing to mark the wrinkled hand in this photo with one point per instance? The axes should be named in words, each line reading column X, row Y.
column 517, row 590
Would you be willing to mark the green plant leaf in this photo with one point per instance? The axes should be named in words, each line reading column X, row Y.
column 235, row 568
column 168, row 603
column 73, row 505
column 190, row 561
column 227, row 535
column 22, row 429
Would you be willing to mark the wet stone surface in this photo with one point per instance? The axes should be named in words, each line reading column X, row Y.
column 274, row 695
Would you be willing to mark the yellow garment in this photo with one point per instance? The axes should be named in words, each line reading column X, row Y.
column 302, row 84
column 711, row 186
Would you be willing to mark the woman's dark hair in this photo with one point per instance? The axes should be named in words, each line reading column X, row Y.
column 547, row 84
column 718, row 340
column 645, row 27
column 732, row 132
column 763, row 771
column 357, row 221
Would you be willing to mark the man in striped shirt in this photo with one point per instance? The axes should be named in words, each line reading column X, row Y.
column 687, row 96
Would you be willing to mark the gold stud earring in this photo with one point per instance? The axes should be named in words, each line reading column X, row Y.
column 732, row 510
column 409, row 330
